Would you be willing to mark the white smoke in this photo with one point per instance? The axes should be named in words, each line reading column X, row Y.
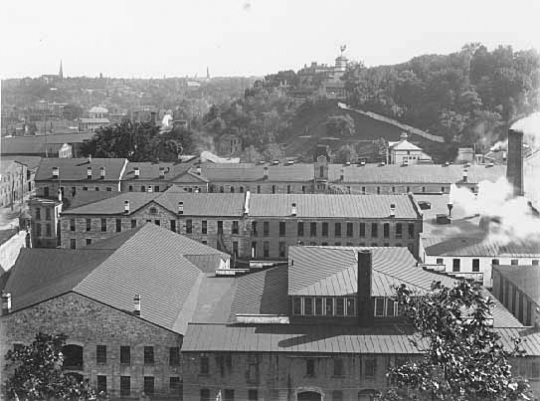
column 501, row 145
column 530, row 126
column 512, row 218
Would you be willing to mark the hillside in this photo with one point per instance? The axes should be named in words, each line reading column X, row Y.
column 308, row 129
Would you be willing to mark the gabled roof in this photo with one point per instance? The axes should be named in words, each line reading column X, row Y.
column 480, row 246
column 31, row 162
column 76, row 169
column 525, row 278
column 147, row 260
column 195, row 204
column 330, row 206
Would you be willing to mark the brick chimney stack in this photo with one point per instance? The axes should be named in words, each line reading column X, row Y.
column 364, row 302
column 514, row 163
column 6, row 303
column 89, row 173
column 137, row 305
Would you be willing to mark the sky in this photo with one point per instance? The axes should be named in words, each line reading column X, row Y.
column 136, row 38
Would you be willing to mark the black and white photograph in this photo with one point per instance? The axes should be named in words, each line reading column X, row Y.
column 270, row 200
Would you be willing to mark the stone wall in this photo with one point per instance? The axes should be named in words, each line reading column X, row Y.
column 88, row 323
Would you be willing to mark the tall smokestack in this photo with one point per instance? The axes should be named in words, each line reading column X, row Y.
column 137, row 305
column 514, row 164
column 364, row 304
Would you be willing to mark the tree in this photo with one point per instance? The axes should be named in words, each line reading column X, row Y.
column 463, row 356
column 37, row 373
column 340, row 126
column 72, row 111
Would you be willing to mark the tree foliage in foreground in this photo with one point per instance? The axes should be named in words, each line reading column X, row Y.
column 463, row 357
column 38, row 375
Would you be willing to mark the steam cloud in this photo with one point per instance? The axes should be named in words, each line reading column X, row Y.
column 513, row 220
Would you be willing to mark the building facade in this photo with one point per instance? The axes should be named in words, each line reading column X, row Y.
column 13, row 182
column 45, row 220
column 253, row 226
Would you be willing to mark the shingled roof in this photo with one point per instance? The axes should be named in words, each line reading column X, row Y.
column 76, row 169
column 148, row 260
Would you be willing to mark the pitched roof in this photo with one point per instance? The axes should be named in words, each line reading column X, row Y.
column 32, row 162
column 330, row 206
column 255, row 172
column 324, row 339
column 525, row 278
column 195, row 204
column 332, row 271
column 76, row 169
column 416, row 173
column 403, row 145
column 368, row 174
column 480, row 246
column 147, row 260
column 151, row 171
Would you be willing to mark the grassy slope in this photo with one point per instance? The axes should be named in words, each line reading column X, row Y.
column 312, row 123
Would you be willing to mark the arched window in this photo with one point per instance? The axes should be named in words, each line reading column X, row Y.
column 73, row 357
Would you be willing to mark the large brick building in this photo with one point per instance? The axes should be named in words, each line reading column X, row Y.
column 325, row 327
column 253, row 226
column 124, row 304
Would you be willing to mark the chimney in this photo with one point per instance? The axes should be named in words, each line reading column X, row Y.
column 6, row 303
column 89, row 158
column 137, row 305
column 89, row 173
column 392, row 210
column 246, row 203
column 126, row 206
column 162, row 172
column 149, row 188
column 102, row 173
column 364, row 303
column 294, row 210
column 514, row 163
column 342, row 175
column 180, row 207
column 465, row 175
column 55, row 172
column 136, row 172
column 266, row 172
column 59, row 195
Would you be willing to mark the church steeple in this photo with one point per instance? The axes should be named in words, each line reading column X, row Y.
column 61, row 72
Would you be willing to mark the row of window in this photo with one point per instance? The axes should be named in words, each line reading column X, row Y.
column 341, row 306
column 258, row 189
column 235, row 228
column 475, row 263
column 73, row 192
column 369, row 368
column 175, row 385
column 339, row 229
column 148, row 355
column 48, row 213
column 39, row 231
column 282, row 247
